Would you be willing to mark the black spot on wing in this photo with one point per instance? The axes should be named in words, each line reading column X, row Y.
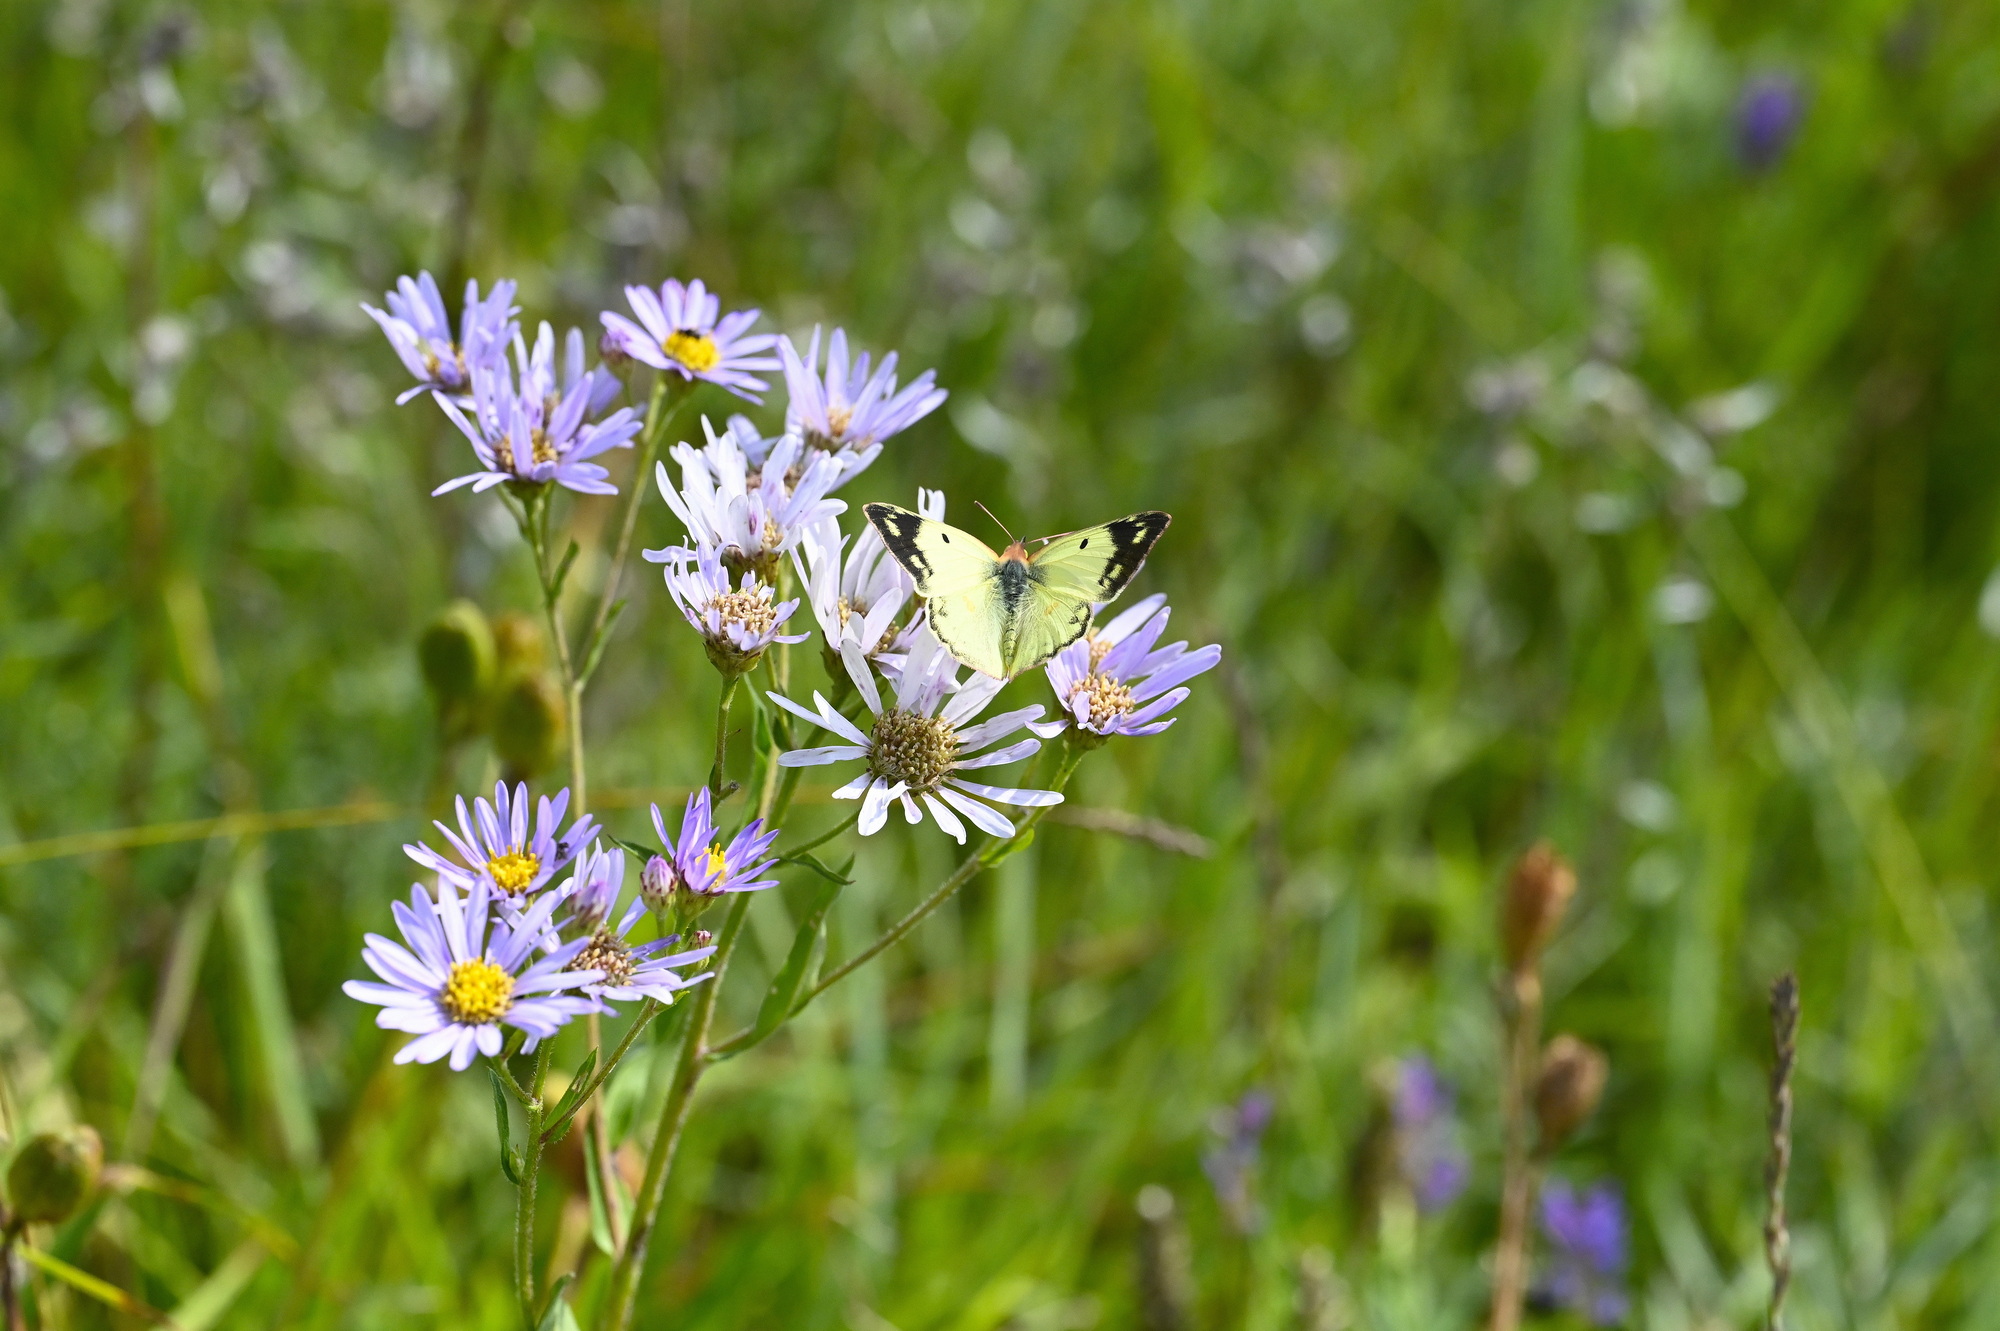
column 898, row 528
column 1131, row 541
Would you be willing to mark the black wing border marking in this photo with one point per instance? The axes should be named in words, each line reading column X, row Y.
column 898, row 528
column 1132, row 539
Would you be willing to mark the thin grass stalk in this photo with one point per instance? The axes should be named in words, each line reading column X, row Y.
column 1517, row 1189
column 1777, row 1236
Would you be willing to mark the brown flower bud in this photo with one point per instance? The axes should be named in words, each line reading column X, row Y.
column 53, row 1173
column 1569, row 1087
column 1538, row 893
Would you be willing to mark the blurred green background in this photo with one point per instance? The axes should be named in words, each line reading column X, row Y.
column 1577, row 422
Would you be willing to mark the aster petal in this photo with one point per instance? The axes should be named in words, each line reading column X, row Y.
column 1027, row 799
column 946, row 819
column 986, row 819
column 875, row 806
column 998, row 757
column 429, row 1048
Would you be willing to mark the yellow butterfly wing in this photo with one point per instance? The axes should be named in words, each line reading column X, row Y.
column 1003, row 615
column 1066, row 580
column 957, row 574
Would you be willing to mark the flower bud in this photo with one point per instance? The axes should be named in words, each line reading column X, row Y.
column 611, row 350
column 657, row 882
column 52, row 1173
column 457, row 654
column 1537, row 895
column 1569, row 1087
column 528, row 725
column 517, row 643
column 702, row 938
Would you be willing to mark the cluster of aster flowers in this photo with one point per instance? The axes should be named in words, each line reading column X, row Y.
column 760, row 515
column 498, row 943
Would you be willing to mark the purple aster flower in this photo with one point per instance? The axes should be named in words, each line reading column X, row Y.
column 630, row 971
column 698, row 863
column 420, row 332
column 916, row 747
column 682, row 328
column 1767, row 119
column 1112, row 682
column 736, row 624
column 752, row 515
column 1232, row 1164
column 501, row 852
column 1589, row 1251
column 542, row 377
column 465, row 973
column 849, row 412
column 538, row 432
column 861, row 596
column 1428, row 1154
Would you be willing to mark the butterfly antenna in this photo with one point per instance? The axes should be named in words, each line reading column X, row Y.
column 996, row 522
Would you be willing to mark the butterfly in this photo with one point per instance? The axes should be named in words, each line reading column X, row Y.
column 1005, row 613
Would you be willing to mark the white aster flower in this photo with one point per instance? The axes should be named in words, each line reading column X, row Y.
column 859, row 597
column 921, row 741
column 751, row 512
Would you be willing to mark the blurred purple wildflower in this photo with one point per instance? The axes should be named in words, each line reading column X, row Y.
column 420, row 332
column 1767, row 119
column 682, row 328
column 1428, row 1153
column 1231, row 1165
column 1589, row 1251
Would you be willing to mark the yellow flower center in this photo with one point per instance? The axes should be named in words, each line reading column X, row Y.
column 1108, row 699
column 692, row 348
column 477, row 993
column 513, row 871
column 907, row 747
column 838, row 419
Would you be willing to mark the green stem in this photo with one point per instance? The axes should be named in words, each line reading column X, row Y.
column 669, row 396
column 967, row 868
column 534, row 519
column 524, row 1204
column 824, row 837
column 729, row 683
column 616, row 1314
column 597, row 1079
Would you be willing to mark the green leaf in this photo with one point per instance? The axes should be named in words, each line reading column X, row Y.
column 500, row 1117
column 644, row 852
column 783, row 994
column 572, row 1100
column 760, row 723
column 562, row 572
column 1013, row 846
column 557, row 1315
column 593, row 651
column 807, row 860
